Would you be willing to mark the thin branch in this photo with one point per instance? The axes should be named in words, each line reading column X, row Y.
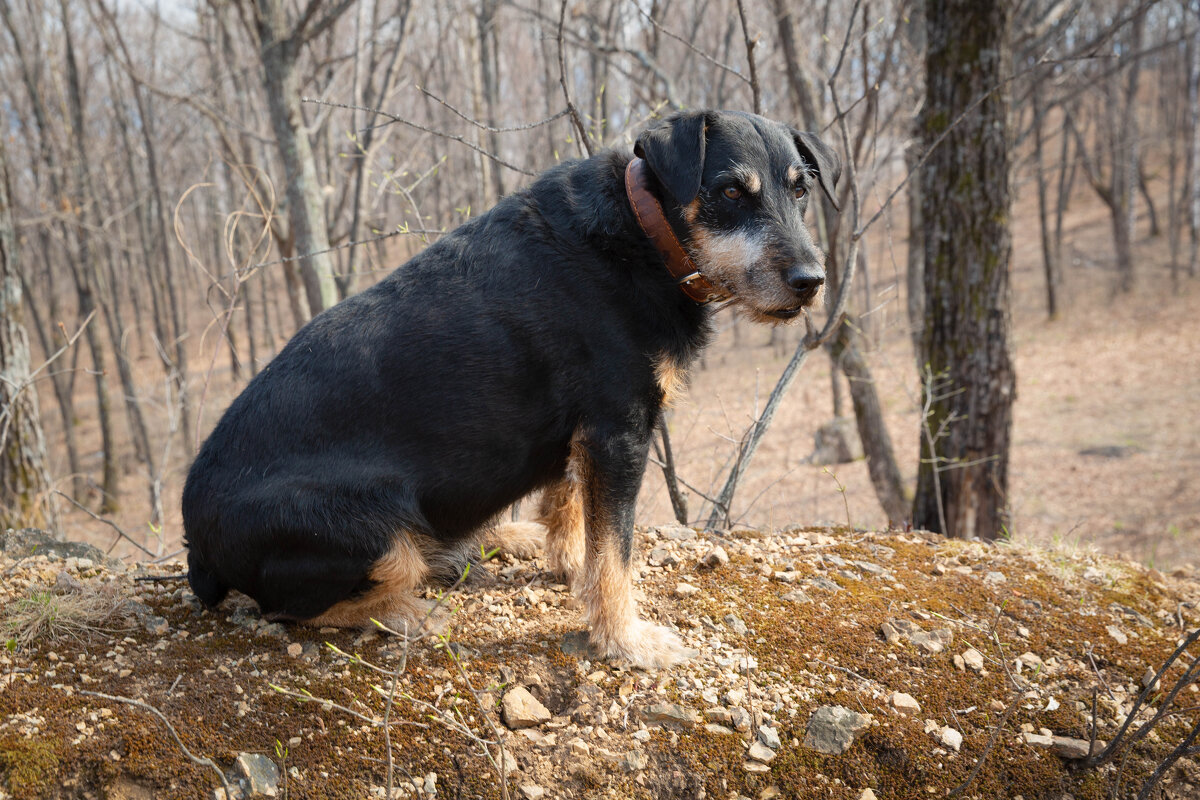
column 584, row 145
column 489, row 128
column 197, row 760
column 755, row 89
column 120, row 533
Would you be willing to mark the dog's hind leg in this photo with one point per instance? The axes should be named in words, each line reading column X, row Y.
column 610, row 485
column 520, row 539
column 392, row 599
column 561, row 511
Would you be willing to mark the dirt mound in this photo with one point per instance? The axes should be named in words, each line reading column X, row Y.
column 829, row 663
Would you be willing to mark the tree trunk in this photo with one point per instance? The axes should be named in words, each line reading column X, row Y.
column 25, row 499
column 1193, row 158
column 279, row 49
column 970, row 385
column 1051, row 266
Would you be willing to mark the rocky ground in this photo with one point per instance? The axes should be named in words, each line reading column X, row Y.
column 830, row 664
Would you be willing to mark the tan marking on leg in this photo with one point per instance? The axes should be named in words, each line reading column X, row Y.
column 671, row 378
column 616, row 630
column 392, row 601
column 561, row 511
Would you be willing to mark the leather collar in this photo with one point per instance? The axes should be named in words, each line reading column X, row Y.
column 654, row 224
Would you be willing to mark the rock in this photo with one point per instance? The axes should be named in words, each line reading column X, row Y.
column 819, row 582
column 520, row 709
column 973, row 659
column 1148, row 677
column 578, row 747
column 662, row 557
column 797, row 596
column 531, row 791
column 1030, row 660
column 150, row 622
column 832, row 729
column 635, row 761
column 671, row 714
column 741, row 719
column 716, row 557
column 66, row 583
column 890, row 634
column 713, row 727
column 258, row 773
column 951, row 738
column 676, row 533
column 686, row 590
column 735, row 624
column 933, row 641
column 1117, row 634
column 430, row 785
column 295, row 649
column 33, row 542
column 769, row 737
column 760, row 752
column 995, row 578
column 755, row 766
column 867, row 794
column 576, row 645
column 1063, row 745
column 836, row 442
column 734, row 697
column 906, row 704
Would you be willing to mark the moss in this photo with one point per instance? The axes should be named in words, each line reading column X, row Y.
column 30, row 766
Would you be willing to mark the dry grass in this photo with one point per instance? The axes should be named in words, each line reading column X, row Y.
column 44, row 615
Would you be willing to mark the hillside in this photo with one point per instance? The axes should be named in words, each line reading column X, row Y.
column 919, row 640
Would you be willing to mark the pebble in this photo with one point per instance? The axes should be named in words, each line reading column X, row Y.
column 760, row 752
column 686, row 590
column 531, row 791
column 715, row 558
column 259, row 773
column 797, row 596
column 1117, row 634
column 669, row 714
column 740, row 718
column 520, row 709
column 832, row 729
column 736, row 624
column 906, row 704
column 973, row 659
column 769, row 737
column 951, row 738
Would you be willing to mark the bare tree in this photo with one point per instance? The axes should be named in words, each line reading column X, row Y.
column 962, row 485
column 24, row 482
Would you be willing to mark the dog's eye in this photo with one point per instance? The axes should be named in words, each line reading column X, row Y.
column 800, row 192
column 732, row 192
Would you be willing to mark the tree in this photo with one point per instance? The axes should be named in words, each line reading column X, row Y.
column 969, row 384
column 24, row 482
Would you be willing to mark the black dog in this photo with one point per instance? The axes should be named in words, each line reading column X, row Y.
column 532, row 348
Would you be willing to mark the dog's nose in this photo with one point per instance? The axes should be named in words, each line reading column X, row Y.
column 804, row 279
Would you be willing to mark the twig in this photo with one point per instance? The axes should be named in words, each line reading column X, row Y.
column 584, row 145
column 489, row 128
column 451, row 136
column 849, row 672
column 755, row 89
column 120, row 533
column 974, row 773
column 690, row 46
column 204, row 762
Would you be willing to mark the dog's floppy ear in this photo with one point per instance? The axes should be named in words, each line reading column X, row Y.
column 674, row 150
column 829, row 166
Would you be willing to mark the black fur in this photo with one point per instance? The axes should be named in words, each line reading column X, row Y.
column 452, row 389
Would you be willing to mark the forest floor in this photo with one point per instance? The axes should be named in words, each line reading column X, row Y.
column 829, row 663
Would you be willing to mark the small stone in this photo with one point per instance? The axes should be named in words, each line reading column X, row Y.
column 260, row 774
column 832, row 729
column 295, row 649
column 713, row 727
column 755, row 766
column 797, row 596
column 579, row 747
column 676, row 533
column 951, row 738
column 715, row 558
column 769, row 737
column 995, row 578
column 686, row 590
column 786, row 576
column 430, row 785
column 531, row 791
column 520, row 709
column 640, row 736
column 734, row 697
column 890, row 634
column 576, row 645
column 741, row 720
column 959, row 664
column 736, row 624
column 1148, row 677
column 906, row 704
column 770, row 793
column 760, row 752
column 819, row 582
column 933, row 641
column 670, row 714
column 973, row 659
column 1117, row 634
column 1074, row 748
column 635, row 761
column 867, row 794
column 1030, row 660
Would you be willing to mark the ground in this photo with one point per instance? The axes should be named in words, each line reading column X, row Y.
column 783, row 623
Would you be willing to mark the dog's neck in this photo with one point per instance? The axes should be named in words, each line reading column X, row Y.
column 653, row 223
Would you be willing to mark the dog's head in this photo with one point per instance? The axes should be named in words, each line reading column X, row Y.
column 741, row 184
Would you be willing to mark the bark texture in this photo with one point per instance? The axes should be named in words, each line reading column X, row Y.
column 970, row 387
column 24, row 482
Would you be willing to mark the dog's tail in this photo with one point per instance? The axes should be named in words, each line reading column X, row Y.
column 208, row 587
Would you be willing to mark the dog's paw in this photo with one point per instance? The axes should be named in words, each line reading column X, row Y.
column 520, row 540
column 643, row 644
column 420, row 620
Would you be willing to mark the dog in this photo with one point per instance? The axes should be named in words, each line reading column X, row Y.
column 532, row 348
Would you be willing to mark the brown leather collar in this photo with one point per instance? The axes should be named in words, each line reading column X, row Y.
column 654, row 224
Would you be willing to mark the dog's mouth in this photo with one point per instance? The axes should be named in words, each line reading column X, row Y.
column 786, row 313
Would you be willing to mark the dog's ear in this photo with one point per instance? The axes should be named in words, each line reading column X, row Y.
column 674, row 150
column 829, row 166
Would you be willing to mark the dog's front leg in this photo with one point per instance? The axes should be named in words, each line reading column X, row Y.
column 611, row 475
